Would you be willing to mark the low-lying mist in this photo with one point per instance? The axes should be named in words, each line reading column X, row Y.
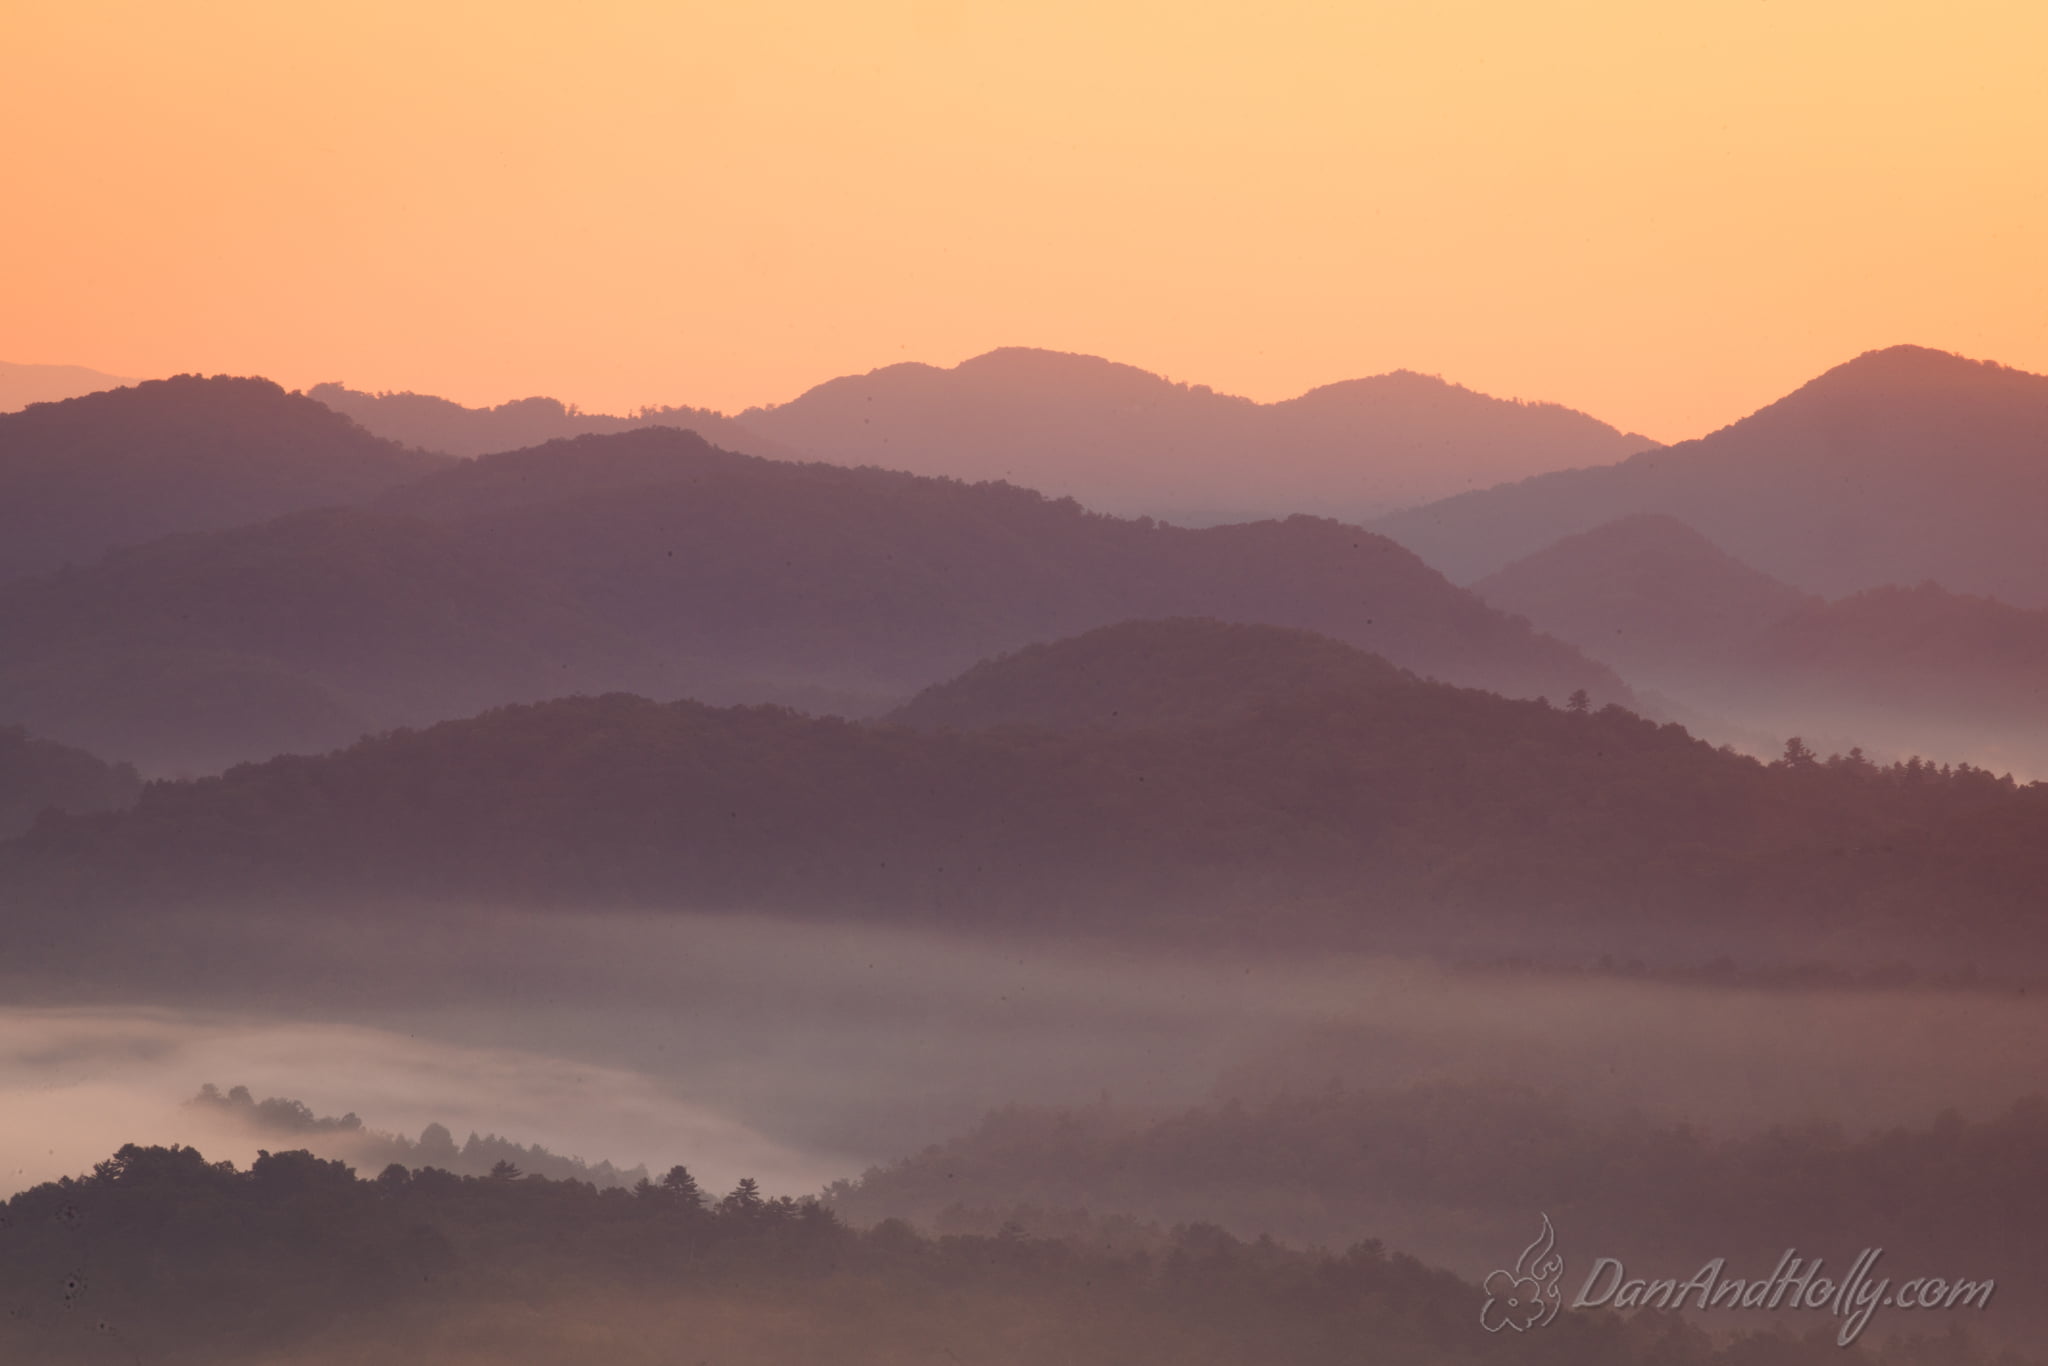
column 78, row 1083
column 796, row 1053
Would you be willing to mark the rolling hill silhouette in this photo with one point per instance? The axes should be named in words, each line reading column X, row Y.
column 1895, row 669
column 885, row 581
column 21, row 385
column 1151, row 675
column 109, row 469
column 437, row 424
column 1443, row 1169
column 654, row 562
column 1646, row 593
column 1123, row 440
column 296, row 634
column 1351, row 807
column 1900, row 466
column 36, row 775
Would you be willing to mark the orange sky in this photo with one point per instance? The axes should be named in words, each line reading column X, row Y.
column 1664, row 213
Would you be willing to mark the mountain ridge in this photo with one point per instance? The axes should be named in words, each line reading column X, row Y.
column 1901, row 465
column 651, row 561
column 1124, row 440
column 86, row 475
column 1414, row 815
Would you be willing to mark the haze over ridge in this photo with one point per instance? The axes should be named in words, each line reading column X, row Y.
column 1897, row 466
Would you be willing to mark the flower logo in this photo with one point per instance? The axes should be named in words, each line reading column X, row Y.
column 1526, row 1297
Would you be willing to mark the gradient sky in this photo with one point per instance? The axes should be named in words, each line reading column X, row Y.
column 1664, row 213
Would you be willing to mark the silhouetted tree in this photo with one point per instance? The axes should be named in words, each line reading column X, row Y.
column 745, row 1200
column 678, row 1185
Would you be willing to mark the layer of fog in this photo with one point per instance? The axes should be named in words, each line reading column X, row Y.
column 1760, row 725
column 75, row 1084
column 798, row 1052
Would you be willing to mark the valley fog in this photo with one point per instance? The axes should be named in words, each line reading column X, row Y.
column 799, row 1053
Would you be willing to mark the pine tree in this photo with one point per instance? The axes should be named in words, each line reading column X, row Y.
column 680, row 1186
column 745, row 1199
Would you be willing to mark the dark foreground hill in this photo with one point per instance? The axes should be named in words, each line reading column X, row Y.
column 1900, row 466
column 1450, row 1171
column 437, row 424
column 1123, row 440
column 186, row 454
column 1390, row 815
column 653, row 562
column 161, row 1256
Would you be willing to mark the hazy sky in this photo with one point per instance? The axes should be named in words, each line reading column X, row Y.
column 1664, row 213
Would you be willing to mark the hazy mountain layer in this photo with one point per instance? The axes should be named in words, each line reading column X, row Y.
column 282, row 1122
column 1898, row 670
column 37, row 774
column 1447, row 1170
column 1645, row 592
column 297, row 1259
column 653, row 562
column 1123, row 440
column 83, row 476
column 21, row 385
column 437, row 424
column 291, row 635
column 1390, row 815
column 1897, row 467
column 891, row 579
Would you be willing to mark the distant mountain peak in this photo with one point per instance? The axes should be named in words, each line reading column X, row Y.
column 21, row 385
column 1907, row 356
column 439, row 424
column 181, row 400
column 1896, row 370
column 1655, row 531
column 1043, row 360
column 1124, row 440
column 1409, row 381
column 1901, row 464
column 1628, row 544
column 1647, row 588
column 189, row 453
column 1034, row 367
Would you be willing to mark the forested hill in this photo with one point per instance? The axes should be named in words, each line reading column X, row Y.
column 1899, row 466
column 1446, row 1170
column 87, row 474
column 38, row 775
column 438, row 424
column 1360, row 816
column 164, row 1257
column 652, row 562
column 1152, row 675
column 1902, row 669
column 902, row 579
column 1647, row 593
column 281, row 1122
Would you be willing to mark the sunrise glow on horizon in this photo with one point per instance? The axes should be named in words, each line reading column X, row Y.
column 1664, row 215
